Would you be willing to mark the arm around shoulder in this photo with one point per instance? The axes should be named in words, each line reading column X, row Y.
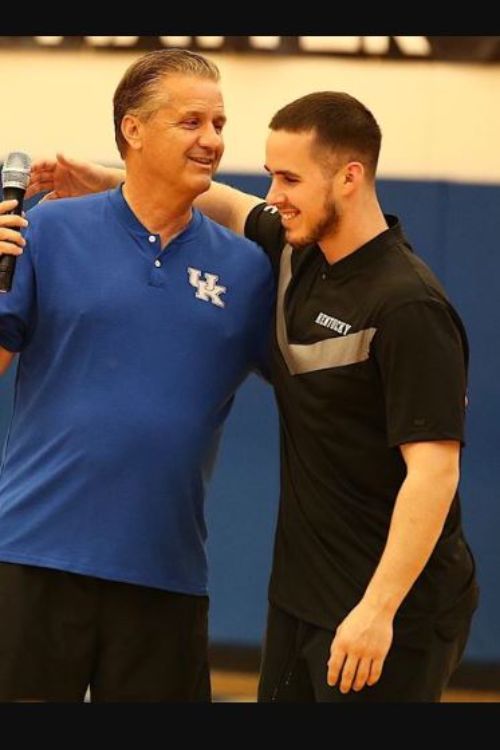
column 227, row 206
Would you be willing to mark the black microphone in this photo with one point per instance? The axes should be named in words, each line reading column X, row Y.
column 15, row 179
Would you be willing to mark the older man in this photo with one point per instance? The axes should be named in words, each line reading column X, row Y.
column 137, row 318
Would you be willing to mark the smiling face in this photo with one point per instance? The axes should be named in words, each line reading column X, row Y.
column 180, row 143
column 303, row 186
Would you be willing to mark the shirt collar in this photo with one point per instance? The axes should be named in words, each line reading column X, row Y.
column 351, row 263
column 130, row 221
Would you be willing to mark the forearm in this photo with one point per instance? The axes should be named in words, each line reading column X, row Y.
column 227, row 206
column 419, row 514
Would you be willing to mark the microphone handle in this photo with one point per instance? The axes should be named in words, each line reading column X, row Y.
column 8, row 262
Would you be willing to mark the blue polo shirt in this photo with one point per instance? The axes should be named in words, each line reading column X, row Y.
column 130, row 360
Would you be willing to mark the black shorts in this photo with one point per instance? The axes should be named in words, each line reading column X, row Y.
column 294, row 667
column 61, row 633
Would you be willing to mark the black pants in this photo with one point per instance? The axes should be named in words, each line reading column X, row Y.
column 62, row 632
column 295, row 656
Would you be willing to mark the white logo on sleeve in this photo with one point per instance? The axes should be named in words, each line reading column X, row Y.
column 207, row 288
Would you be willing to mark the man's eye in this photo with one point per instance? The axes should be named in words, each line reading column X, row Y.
column 190, row 123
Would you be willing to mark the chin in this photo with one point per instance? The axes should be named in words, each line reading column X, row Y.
column 206, row 182
column 295, row 239
column 201, row 184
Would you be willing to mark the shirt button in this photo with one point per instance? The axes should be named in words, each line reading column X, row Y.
column 323, row 276
column 158, row 263
column 152, row 238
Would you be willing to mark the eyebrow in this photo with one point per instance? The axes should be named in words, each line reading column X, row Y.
column 284, row 172
column 201, row 113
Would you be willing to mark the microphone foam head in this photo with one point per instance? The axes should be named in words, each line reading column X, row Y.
column 16, row 170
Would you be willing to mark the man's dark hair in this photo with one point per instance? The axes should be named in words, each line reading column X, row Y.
column 137, row 92
column 342, row 124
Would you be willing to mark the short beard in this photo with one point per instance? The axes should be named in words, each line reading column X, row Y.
column 326, row 225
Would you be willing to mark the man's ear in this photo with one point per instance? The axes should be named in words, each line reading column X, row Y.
column 131, row 128
column 354, row 171
column 352, row 175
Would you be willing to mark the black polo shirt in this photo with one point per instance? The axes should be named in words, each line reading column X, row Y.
column 368, row 354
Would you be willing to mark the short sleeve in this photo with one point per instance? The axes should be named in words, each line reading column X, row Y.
column 263, row 226
column 421, row 355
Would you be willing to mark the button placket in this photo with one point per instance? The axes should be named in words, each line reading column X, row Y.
column 156, row 279
column 157, row 262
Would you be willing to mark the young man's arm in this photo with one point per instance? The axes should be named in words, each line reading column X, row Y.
column 420, row 354
column 364, row 638
column 69, row 178
column 227, row 206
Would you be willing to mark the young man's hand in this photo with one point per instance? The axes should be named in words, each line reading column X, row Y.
column 69, row 178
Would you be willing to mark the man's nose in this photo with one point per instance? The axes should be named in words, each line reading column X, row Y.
column 274, row 196
column 211, row 138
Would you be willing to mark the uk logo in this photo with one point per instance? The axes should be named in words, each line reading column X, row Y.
column 207, row 287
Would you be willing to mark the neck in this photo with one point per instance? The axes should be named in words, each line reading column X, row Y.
column 355, row 229
column 162, row 211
